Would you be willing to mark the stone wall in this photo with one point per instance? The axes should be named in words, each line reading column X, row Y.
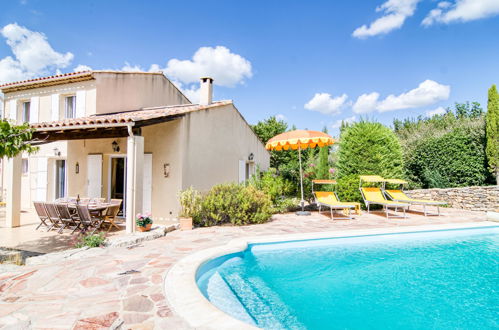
column 484, row 198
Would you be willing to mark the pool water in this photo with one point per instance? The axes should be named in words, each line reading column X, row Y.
column 429, row 280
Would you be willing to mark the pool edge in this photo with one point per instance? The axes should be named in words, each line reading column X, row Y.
column 187, row 301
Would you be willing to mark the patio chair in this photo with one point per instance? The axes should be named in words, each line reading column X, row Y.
column 374, row 196
column 42, row 214
column 399, row 196
column 326, row 199
column 53, row 215
column 86, row 219
column 111, row 214
column 67, row 219
column 116, row 201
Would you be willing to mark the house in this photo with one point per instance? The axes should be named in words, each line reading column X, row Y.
column 127, row 135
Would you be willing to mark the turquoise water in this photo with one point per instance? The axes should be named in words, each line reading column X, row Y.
column 430, row 280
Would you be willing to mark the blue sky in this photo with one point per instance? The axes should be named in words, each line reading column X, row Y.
column 307, row 61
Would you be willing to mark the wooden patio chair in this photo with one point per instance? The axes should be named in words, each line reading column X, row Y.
column 87, row 220
column 53, row 215
column 67, row 219
column 111, row 214
column 42, row 214
column 116, row 201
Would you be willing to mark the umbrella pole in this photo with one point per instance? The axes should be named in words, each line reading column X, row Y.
column 302, row 202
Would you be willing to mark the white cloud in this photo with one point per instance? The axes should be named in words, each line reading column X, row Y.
column 33, row 55
column 226, row 68
column 337, row 124
column 366, row 103
column 326, row 104
column 131, row 68
column 437, row 111
column 395, row 12
column 82, row 67
column 428, row 92
column 280, row 116
column 462, row 11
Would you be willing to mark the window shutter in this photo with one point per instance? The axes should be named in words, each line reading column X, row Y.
column 55, row 107
column 242, row 171
column 13, row 110
column 34, row 109
column 80, row 104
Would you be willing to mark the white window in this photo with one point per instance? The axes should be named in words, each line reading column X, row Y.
column 70, row 106
column 24, row 166
column 25, row 111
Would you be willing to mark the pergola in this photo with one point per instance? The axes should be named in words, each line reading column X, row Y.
column 111, row 125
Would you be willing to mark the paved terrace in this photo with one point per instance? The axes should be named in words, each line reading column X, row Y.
column 90, row 293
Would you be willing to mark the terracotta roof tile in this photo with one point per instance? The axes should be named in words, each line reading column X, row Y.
column 128, row 116
column 55, row 77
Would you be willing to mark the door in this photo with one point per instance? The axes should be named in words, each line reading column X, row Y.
column 117, row 181
column 60, row 178
column 94, row 176
column 147, row 184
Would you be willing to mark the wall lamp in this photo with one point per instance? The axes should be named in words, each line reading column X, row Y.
column 57, row 152
column 77, row 168
column 166, row 170
column 250, row 157
column 116, row 147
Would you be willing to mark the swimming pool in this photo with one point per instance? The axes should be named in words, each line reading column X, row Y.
column 438, row 279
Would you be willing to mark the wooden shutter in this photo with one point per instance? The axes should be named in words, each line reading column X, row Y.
column 94, row 176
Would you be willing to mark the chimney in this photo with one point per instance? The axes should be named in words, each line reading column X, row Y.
column 206, row 91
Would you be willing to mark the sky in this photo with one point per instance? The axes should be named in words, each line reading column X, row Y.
column 313, row 64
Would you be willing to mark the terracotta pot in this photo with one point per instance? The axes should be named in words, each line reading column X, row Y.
column 146, row 228
column 185, row 223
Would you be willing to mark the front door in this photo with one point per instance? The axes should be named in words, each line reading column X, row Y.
column 60, row 178
column 117, row 177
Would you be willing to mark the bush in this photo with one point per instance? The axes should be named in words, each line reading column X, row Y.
column 369, row 148
column 234, row 204
column 190, row 203
column 347, row 189
column 274, row 186
column 454, row 159
column 91, row 240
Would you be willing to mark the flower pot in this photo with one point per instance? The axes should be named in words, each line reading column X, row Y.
column 185, row 223
column 146, row 228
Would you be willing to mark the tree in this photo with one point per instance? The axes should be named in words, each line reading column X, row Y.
column 267, row 129
column 369, row 148
column 492, row 131
column 323, row 165
column 15, row 139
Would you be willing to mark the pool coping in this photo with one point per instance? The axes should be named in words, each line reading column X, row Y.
column 188, row 302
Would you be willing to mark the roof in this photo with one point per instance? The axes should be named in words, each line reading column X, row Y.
column 61, row 79
column 143, row 117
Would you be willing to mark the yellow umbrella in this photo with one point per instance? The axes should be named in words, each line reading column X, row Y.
column 299, row 139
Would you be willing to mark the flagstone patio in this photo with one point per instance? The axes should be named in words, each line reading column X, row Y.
column 123, row 286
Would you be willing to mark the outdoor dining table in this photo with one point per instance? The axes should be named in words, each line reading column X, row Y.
column 92, row 208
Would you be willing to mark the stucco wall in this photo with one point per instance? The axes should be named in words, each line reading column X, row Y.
column 484, row 198
column 215, row 141
column 46, row 99
column 129, row 91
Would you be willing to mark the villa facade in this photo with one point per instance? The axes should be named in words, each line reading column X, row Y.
column 126, row 135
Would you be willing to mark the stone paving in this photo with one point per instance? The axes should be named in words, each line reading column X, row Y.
column 122, row 288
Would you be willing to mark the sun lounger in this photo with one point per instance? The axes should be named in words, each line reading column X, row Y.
column 329, row 199
column 374, row 196
column 399, row 196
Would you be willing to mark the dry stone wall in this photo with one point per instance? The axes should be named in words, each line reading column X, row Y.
column 485, row 198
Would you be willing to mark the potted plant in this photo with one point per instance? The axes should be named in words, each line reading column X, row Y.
column 190, row 203
column 144, row 222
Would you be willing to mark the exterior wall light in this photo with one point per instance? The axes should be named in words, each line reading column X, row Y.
column 250, row 157
column 116, row 147
column 166, row 170
column 57, row 152
column 77, row 168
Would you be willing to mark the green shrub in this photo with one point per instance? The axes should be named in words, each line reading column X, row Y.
column 234, row 204
column 454, row 159
column 272, row 184
column 369, row 148
column 190, row 202
column 91, row 240
column 347, row 189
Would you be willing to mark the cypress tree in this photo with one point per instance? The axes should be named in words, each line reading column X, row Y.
column 492, row 131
